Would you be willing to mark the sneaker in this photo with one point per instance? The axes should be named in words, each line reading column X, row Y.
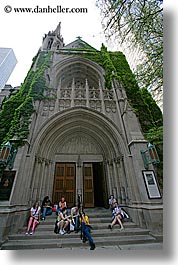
column 42, row 218
column 109, row 226
column 122, row 228
column 31, row 233
column 26, row 233
column 92, row 247
column 61, row 232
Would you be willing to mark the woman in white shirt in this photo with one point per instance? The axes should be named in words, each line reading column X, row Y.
column 34, row 218
column 118, row 216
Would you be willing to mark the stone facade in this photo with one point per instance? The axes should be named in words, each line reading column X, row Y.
column 81, row 123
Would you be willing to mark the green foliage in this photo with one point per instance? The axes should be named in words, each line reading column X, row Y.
column 155, row 135
column 17, row 110
column 138, row 24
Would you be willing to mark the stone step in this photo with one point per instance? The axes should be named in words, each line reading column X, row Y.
column 103, row 233
column 45, row 238
column 93, row 220
column 49, row 226
column 91, row 214
column 66, row 242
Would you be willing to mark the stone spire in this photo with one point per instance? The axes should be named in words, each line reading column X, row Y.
column 53, row 40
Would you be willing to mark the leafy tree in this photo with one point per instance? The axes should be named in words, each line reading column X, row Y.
column 139, row 23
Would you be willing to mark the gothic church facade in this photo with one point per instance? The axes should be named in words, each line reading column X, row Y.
column 84, row 142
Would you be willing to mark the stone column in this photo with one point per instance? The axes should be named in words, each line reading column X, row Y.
column 102, row 98
column 37, row 172
column 58, row 96
column 79, row 179
column 41, row 179
column 117, row 178
column 73, row 93
column 127, row 184
column 109, row 167
column 50, row 179
column 87, row 93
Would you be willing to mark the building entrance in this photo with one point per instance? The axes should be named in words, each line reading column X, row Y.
column 92, row 182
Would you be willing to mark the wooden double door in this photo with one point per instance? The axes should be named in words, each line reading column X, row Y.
column 65, row 184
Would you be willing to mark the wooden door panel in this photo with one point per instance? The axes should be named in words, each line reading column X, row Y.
column 64, row 183
column 88, row 185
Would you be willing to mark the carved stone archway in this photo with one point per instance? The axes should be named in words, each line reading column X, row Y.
column 72, row 135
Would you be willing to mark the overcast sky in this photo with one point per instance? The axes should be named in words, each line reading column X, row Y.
column 23, row 32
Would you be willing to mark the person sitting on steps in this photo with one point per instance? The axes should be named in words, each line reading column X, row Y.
column 34, row 218
column 75, row 215
column 112, row 200
column 62, row 221
column 46, row 207
column 118, row 216
column 62, row 204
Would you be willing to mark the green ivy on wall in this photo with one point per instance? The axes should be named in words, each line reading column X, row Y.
column 17, row 110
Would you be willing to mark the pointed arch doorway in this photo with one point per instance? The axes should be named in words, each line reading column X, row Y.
column 78, row 137
column 94, row 184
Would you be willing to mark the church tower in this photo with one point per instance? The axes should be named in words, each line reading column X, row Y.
column 82, row 140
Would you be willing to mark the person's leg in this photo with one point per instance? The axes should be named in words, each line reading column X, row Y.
column 49, row 211
column 29, row 224
column 61, row 226
column 76, row 225
column 119, row 221
column 90, row 239
column 66, row 227
column 35, row 223
column 113, row 223
column 84, row 237
column 44, row 213
column 56, row 227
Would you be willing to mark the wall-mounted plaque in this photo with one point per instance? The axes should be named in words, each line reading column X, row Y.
column 151, row 184
column 6, row 183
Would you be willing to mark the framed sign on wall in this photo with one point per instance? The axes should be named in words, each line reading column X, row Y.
column 6, row 183
column 151, row 184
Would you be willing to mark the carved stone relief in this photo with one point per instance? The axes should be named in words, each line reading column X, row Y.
column 64, row 104
column 80, row 93
column 108, row 94
column 110, row 106
column 80, row 102
column 79, row 145
column 95, row 104
column 65, row 93
column 94, row 94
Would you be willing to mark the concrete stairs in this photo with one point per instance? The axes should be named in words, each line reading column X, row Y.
column 104, row 238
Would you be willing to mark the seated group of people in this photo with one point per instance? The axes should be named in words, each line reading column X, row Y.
column 74, row 220
column 65, row 222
